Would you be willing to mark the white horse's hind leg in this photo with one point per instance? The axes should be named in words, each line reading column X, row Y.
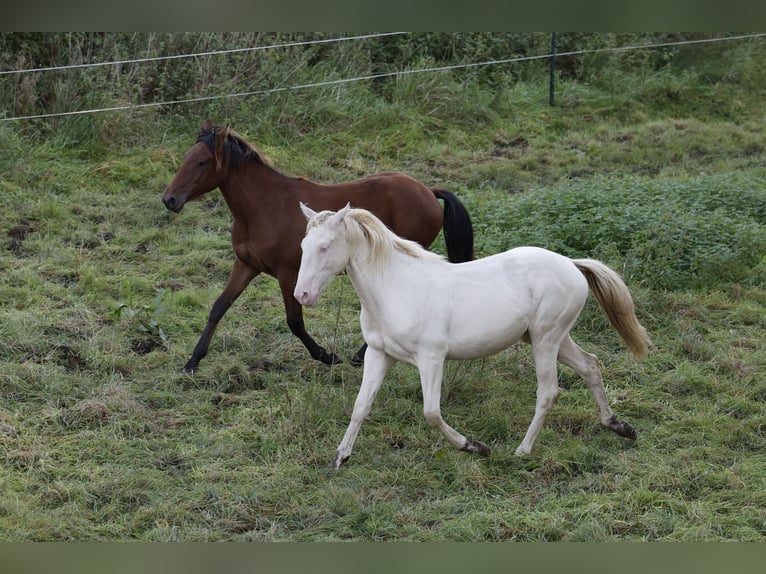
column 376, row 365
column 547, row 393
column 431, row 372
column 586, row 365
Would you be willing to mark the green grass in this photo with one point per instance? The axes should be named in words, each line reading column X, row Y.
column 103, row 438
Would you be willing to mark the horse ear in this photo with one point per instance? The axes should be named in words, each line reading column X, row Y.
column 220, row 140
column 307, row 211
column 207, row 125
column 338, row 217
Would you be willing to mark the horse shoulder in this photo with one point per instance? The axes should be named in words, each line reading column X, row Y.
column 268, row 250
column 393, row 320
column 381, row 333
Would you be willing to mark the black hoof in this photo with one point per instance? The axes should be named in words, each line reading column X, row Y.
column 476, row 446
column 622, row 428
column 330, row 359
column 337, row 461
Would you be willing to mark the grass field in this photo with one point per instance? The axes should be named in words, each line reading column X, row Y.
column 104, row 293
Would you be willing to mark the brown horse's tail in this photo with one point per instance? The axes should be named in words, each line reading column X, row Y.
column 615, row 300
column 458, row 231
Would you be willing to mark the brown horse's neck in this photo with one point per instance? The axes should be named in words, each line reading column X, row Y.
column 251, row 189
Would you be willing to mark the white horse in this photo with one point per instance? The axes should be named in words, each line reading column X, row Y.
column 421, row 309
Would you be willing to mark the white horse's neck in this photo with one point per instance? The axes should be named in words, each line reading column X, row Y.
column 393, row 280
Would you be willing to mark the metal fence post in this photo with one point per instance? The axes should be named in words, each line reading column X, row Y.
column 552, row 79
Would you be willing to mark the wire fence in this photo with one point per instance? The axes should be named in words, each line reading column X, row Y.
column 201, row 54
column 553, row 55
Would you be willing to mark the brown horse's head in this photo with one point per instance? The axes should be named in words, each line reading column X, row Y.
column 201, row 169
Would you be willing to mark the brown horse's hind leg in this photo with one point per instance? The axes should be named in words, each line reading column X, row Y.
column 358, row 358
column 294, row 312
column 240, row 277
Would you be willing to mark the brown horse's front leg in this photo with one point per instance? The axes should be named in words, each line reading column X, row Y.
column 240, row 277
column 294, row 312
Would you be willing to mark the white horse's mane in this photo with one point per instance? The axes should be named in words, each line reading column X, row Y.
column 362, row 226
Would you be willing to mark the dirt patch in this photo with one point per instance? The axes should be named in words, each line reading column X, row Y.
column 18, row 235
column 145, row 346
column 21, row 231
column 70, row 359
column 86, row 414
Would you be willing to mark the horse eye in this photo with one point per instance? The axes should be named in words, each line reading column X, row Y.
column 323, row 249
column 201, row 163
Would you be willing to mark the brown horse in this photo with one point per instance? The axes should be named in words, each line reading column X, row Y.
column 268, row 224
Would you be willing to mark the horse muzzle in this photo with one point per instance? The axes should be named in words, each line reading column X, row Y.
column 305, row 298
column 172, row 203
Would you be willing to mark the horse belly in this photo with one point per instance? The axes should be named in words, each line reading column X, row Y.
column 486, row 340
column 466, row 331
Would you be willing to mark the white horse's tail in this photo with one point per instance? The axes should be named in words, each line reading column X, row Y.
column 616, row 302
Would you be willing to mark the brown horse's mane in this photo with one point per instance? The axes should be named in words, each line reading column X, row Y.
column 237, row 150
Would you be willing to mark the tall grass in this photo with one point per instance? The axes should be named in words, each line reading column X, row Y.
column 660, row 80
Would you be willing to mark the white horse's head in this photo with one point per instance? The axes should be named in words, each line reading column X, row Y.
column 326, row 253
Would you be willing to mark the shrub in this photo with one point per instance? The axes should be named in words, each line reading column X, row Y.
column 666, row 234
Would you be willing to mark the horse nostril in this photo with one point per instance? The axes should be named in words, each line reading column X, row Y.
column 302, row 296
column 170, row 202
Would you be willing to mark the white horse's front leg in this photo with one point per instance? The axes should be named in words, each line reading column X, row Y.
column 431, row 371
column 376, row 365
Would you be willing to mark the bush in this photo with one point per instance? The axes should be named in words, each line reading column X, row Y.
column 665, row 234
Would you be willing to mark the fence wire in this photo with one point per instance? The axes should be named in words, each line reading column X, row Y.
column 199, row 54
column 343, row 80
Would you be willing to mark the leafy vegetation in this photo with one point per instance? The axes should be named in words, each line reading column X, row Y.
column 667, row 234
column 652, row 161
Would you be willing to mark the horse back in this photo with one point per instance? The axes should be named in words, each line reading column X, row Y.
column 408, row 207
column 538, row 279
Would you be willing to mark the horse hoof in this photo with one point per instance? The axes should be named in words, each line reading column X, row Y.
column 622, row 428
column 477, row 446
column 330, row 359
column 337, row 461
